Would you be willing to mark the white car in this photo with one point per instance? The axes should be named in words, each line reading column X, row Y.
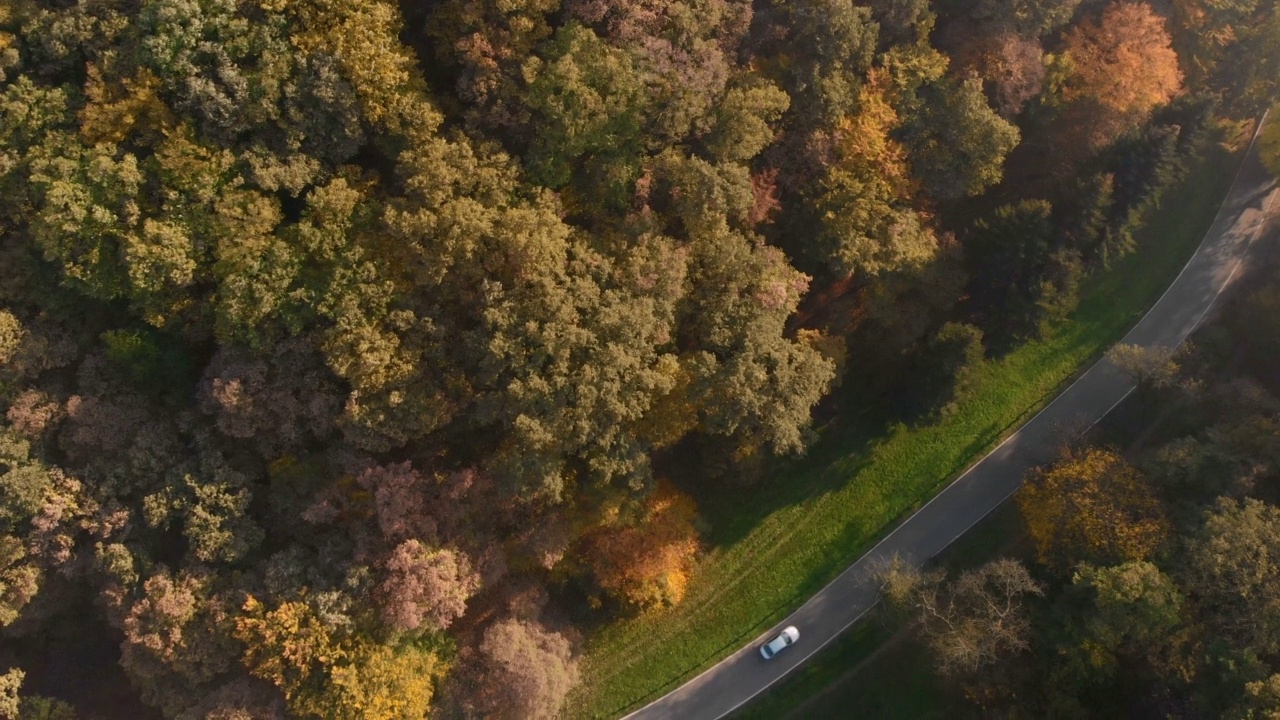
column 784, row 640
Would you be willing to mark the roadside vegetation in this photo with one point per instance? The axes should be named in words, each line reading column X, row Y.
column 517, row 358
column 1150, row 594
column 840, row 500
column 876, row 663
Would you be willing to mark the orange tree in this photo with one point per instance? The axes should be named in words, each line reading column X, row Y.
column 1118, row 68
column 648, row 564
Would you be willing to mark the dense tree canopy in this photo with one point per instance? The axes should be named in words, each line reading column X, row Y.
column 342, row 342
column 1026, row 17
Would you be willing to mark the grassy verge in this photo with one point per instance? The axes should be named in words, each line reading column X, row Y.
column 875, row 671
column 819, row 513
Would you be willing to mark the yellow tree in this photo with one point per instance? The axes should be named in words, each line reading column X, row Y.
column 11, row 335
column 867, row 224
column 362, row 37
column 338, row 675
column 115, row 110
column 19, row 581
column 1092, row 505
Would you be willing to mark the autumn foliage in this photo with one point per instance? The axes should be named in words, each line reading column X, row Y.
column 1092, row 504
column 524, row 671
column 329, row 672
column 1119, row 68
column 387, row 316
column 1139, row 608
column 648, row 564
column 426, row 587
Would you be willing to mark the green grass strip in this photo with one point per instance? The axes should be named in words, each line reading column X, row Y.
column 872, row 669
column 773, row 546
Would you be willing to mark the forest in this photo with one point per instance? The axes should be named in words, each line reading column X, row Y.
column 1151, row 580
column 361, row 359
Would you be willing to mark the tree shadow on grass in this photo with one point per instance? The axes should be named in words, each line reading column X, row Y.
column 857, row 537
column 732, row 506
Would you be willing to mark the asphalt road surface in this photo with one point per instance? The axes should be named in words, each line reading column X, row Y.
column 741, row 676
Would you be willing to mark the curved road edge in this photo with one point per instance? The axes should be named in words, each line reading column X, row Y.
column 726, row 686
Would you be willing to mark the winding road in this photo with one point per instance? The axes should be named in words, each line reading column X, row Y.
column 729, row 684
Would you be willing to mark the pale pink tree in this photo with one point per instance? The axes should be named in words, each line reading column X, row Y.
column 33, row 412
column 425, row 587
column 177, row 642
column 526, row 671
column 280, row 400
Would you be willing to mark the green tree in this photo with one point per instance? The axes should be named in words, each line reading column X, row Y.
column 240, row 76
column 861, row 204
column 1091, row 230
column 958, row 143
column 1232, row 576
column 1008, row 255
column 35, row 707
column 1252, row 324
column 832, row 43
column 587, row 99
column 1129, row 614
column 744, row 120
column 1261, row 700
column 1269, row 144
column 348, row 293
column 24, row 481
column 952, row 356
column 1026, row 17
column 1205, row 31
column 685, row 56
column 897, row 17
column 487, row 42
column 201, row 220
column 211, row 508
column 749, row 381
column 1253, row 73
column 32, row 114
column 86, row 213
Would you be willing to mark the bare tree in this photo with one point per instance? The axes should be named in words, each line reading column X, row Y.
column 970, row 623
column 1149, row 367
